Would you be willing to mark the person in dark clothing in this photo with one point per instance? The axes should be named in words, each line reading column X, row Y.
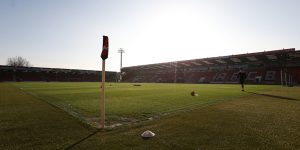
column 242, row 78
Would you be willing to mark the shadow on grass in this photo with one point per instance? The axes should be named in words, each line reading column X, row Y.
column 81, row 140
column 275, row 96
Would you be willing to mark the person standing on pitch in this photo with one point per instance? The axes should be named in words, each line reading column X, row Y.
column 242, row 78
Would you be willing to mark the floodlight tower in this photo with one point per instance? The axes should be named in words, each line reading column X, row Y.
column 121, row 51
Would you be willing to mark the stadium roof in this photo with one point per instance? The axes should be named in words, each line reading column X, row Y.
column 248, row 58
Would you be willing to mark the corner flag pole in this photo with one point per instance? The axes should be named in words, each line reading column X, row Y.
column 104, row 55
column 102, row 100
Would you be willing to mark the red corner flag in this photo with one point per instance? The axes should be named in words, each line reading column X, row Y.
column 104, row 53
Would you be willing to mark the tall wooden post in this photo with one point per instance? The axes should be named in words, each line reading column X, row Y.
column 104, row 55
column 102, row 99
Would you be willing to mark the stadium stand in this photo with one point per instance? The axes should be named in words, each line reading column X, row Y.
column 268, row 67
column 10, row 73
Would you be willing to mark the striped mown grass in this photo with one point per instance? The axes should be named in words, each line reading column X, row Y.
column 29, row 123
column 251, row 122
column 264, row 117
column 126, row 103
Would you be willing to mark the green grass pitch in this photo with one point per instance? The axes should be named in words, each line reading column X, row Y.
column 127, row 103
column 36, row 115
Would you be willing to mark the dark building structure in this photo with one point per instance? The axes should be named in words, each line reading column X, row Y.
column 10, row 73
column 268, row 67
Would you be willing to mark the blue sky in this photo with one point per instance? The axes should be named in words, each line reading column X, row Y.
column 68, row 33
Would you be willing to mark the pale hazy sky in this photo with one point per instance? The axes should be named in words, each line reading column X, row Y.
column 68, row 33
